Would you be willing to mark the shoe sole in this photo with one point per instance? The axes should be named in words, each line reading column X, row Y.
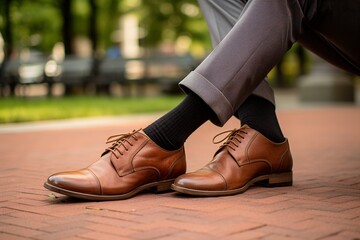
column 272, row 180
column 158, row 187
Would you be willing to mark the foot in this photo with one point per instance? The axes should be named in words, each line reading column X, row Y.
column 132, row 164
column 245, row 158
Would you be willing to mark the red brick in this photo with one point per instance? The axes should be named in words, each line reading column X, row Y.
column 100, row 235
column 247, row 235
column 61, row 234
column 11, row 237
column 112, row 221
column 74, row 238
column 188, row 235
column 155, row 233
column 18, row 231
column 120, row 230
column 279, row 237
column 23, row 222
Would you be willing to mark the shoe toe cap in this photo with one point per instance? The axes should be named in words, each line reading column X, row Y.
column 82, row 181
column 204, row 180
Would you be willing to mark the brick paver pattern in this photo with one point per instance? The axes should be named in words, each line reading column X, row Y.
column 324, row 202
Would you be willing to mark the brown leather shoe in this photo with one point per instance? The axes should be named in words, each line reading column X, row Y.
column 245, row 158
column 132, row 164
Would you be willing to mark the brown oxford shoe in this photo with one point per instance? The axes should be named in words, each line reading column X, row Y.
column 132, row 164
column 245, row 158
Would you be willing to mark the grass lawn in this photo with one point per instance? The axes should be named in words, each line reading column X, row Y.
column 35, row 109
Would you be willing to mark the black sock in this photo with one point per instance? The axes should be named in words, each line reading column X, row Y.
column 171, row 130
column 259, row 114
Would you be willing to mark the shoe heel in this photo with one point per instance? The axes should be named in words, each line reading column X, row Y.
column 279, row 180
column 164, row 186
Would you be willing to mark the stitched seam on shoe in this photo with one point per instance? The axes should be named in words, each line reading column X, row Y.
column 132, row 156
column 236, row 161
column 174, row 164
column 97, row 179
column 261, row 161
column 282, row 158
column 249, row 145
column 136, row 152
column 257, row 160
column 224, row 180
column 146, row 168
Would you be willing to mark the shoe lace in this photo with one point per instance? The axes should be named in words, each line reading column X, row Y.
column 120, row 140
column 233, row 138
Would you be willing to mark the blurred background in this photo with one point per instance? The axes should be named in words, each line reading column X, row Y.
column 58, row 49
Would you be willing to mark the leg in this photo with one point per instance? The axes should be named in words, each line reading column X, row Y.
column 258, row 111
column 193, row 111
column 242, row 59
column 225, row 80
column 221, row 16
column 329, row 38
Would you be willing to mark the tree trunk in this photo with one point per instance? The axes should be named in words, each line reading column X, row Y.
column 8, row 34
column 92, row 25
column 67, row 26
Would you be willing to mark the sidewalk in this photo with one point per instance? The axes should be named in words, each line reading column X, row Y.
column 324, row 202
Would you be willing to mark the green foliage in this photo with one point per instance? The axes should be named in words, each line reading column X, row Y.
column 38, row 23
column 167, row 20
column 107, row 21
column 35, row 23
column 80, row 13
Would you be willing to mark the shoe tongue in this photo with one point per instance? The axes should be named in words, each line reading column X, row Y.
column 228, row 150
column 104, row 153
column 224, row 150
column 120, row 147
column 219, row 151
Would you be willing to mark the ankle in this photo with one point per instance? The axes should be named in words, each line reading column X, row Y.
column 259, row 114
column 171, row 130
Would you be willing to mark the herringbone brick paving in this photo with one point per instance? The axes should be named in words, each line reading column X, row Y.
column 324, row 202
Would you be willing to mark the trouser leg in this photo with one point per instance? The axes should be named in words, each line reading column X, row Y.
column 221, row 16
column 234, row 69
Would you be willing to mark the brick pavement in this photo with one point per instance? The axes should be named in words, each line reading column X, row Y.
column 324, row 202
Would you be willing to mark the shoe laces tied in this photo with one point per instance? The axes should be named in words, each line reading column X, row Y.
column 120, row 140
column 232, row 139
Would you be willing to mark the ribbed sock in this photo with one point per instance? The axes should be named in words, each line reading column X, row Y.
column 171, row 130
column 259, row 114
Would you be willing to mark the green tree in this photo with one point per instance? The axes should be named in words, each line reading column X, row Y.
column 167, row 20
column 33, row 23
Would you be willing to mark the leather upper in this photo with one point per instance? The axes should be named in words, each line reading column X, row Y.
column 132, row 161
column 245, row 155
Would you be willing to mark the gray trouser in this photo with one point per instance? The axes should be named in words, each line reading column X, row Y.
column 251, row 37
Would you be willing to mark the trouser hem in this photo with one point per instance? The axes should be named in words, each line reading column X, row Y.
column 211, row 95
